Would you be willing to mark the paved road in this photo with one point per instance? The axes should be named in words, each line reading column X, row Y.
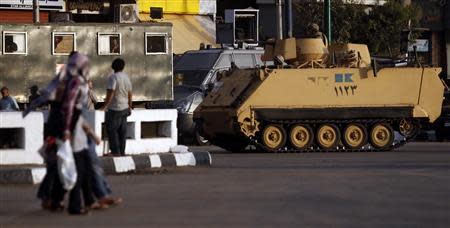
column 406, row 188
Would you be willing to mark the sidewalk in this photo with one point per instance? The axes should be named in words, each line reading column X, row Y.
column 33, row 174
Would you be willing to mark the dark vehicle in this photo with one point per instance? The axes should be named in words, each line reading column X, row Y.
column 442, row 125
column 195, row 72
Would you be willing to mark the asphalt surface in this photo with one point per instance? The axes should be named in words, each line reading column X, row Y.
column 405, row 188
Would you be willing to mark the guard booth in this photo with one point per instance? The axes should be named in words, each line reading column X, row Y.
column 31, row 54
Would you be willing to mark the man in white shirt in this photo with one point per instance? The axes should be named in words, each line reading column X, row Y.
column 118, row 106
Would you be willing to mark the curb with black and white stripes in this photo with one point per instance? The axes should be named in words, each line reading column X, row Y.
column 112, row 165
column 22, row 175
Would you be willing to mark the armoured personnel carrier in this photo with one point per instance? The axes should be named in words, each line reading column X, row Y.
column 325, row 99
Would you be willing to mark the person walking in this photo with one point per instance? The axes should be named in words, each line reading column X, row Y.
column 118, row 105
column 100, row 187
column 7, row 103
column 82, row 186
column 67, row 94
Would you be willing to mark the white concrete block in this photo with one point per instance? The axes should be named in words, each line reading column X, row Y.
column 155, row 161
column 30, row 137
column 124, row 164
column 179, row 149
column 38, row 174
column 167, row 131
column 185, row 159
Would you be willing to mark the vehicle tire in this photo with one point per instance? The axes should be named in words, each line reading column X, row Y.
column 355, row 136
column 301, row 136
column 381, row 136
column 274, row 136
column 327, row 136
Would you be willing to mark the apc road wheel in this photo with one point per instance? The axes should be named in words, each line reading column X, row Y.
column 382, row 136
column 328, row 136
column 408, row 128
column 355, row 136
column 301, row 136
column 274, row 136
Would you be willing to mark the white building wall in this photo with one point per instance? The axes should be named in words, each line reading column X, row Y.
column 31, row 134
column 135, row 143
column 31, row 140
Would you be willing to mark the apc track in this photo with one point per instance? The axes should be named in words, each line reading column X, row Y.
column 340, row 147
column 238, row 142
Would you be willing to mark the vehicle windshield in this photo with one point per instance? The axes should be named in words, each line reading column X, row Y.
column 194, row 67
column 191, row 78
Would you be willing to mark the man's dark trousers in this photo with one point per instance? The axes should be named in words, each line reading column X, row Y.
column 116, row 127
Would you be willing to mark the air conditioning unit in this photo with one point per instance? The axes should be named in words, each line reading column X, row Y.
column 126, row 13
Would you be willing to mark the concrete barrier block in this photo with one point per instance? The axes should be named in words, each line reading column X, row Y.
column 21, row 175
column 185, row 159
column 149, row 131
column 20, row 138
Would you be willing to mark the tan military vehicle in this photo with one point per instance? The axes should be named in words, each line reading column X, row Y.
column 325, row 99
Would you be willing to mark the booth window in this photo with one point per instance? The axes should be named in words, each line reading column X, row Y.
column 109, row 44
column 63, row 43
column 155, row 43
column 15, row 43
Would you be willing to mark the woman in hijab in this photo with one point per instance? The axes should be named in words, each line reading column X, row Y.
column 66, row 93
column 75, row 128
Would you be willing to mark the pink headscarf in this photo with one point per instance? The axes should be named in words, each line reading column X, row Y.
column 78, row 65
column 76, row 88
